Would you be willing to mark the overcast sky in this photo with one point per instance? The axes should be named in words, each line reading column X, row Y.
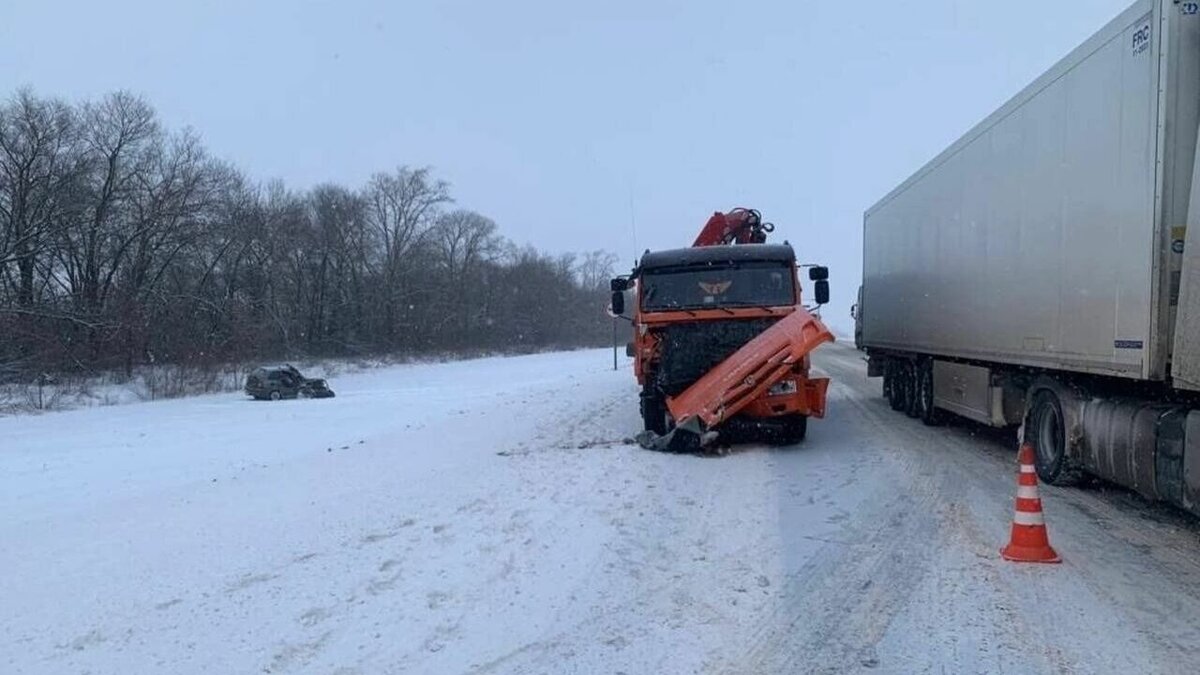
column 620, row 124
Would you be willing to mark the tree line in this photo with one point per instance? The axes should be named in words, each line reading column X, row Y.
column 123, row 243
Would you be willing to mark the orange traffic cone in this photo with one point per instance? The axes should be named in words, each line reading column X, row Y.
column 1029, row 542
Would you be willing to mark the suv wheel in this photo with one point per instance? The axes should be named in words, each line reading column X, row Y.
column 275, row 395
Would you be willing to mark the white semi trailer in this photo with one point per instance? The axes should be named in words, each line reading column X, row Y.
column 1044, row 270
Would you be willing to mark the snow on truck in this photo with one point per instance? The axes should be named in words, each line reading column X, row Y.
column 721, row 337
column 1044, row 271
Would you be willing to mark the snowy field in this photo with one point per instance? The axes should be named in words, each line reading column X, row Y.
column 489, row 516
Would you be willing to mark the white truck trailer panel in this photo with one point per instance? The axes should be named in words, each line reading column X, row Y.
column 1044, row 236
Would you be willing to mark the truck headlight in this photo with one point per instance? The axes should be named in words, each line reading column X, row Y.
column 783, row 388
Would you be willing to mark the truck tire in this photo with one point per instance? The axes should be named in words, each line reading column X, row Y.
column 1046, row 430
column 654, row 411
column 793, row 429
column 926, row 410
column 893, row 386
column 902, row 393
column 909, row 380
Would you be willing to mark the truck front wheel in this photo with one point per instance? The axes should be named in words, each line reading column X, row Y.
column 792, row 429
column 654, row 411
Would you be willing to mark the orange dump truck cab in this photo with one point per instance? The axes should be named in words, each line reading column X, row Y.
column 721, row 341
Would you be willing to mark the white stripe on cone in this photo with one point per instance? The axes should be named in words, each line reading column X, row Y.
column 1024, row 518
column 1027, row 492
column 1028, row 468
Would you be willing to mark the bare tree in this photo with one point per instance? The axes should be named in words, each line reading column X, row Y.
column 400, row 206
column 36, row 139
column 463, row 239
column 596, row 269
column 120, row 137
column 122, row 243
column 169, row 212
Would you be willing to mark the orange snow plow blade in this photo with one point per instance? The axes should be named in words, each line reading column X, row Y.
column 725, row 390
column 744, row 377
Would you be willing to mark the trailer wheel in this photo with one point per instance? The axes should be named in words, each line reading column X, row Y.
column 926, row 410
column 911, row 407
column 893, row 386
column 1045, row 429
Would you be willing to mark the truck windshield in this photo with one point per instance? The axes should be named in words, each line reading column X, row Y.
column 746, row 285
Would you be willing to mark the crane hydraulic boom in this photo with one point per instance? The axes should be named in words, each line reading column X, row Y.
column 739, row 226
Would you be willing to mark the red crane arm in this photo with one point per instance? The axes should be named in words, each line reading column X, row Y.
column 742, row 226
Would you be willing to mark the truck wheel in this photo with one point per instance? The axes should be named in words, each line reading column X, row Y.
column 654, row 412
column 1045, row 428
column 911, row 407
column 894, row 386
column 275, row 395
column 926, row 410
column 793, row 429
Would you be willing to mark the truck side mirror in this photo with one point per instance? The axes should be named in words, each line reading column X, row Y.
column 818, row 273
column 821, row 292
column 853, row 311
column 618, row 303
column 618, row 284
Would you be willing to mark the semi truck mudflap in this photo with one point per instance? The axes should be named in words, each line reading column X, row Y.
column 741, row 379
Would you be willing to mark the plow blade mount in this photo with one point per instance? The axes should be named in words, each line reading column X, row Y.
column 738, row 381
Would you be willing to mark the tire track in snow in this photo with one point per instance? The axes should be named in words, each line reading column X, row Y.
column 841, row 600
column 1039, row 610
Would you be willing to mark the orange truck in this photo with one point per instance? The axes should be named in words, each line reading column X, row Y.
column 722, row 338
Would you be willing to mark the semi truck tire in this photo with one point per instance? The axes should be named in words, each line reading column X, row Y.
column 926, row 410
column 909, row 379
column 894, row 385
column 1046, row 430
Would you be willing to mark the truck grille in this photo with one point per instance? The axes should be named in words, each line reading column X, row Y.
column 689, row 350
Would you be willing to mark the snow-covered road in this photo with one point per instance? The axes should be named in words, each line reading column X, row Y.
column 489, row 517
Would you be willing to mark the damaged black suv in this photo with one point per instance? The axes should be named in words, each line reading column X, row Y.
column 278, row 382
